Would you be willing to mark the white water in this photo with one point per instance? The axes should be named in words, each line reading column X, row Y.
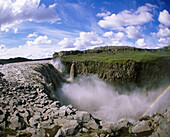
column 91, row 94
column 58, row 65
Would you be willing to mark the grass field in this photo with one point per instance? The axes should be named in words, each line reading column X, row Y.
column 119, row 56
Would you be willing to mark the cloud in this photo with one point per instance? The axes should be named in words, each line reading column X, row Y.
column 41, row 40
column 133, row 32
column 36, row 49
column 87, row 39
column 164, row 18
column 163, row 42
column 108, row 34
column 120, row 36
column 15, row 30
column 13, row 12
column 28, row 52
column 66, row 43
column 115, row 36
column 32, row 35
column 127, row 17
column 103, row 14
column 163, row 32
column 141, row 43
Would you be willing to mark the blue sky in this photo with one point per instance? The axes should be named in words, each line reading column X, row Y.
column 38, row 28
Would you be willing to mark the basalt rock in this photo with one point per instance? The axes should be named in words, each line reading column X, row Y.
column 127, row 75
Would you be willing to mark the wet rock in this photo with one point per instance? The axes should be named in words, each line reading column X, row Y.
column 107, row 127
column 167, row 115
column 146, row 117
column 162, row 130
column 122, row 125
column 142, row 126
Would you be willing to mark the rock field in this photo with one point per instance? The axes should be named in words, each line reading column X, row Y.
column 29, row 108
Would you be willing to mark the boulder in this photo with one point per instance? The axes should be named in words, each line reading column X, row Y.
column 122, row 125
column 142, row 126
column 69, row 126
column 17, row 122
column 91, row 124
column 82, row 116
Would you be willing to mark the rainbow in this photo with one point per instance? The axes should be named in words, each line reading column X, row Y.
column 156, row 100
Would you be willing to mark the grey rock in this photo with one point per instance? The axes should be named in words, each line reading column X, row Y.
column 60, row 133
column 62, row 111
column 107, row 127
column 94, row 135
column 17, row 122
column 91, row 124
column 33, row 122
column 38, row 133
column 167, row 115
column 82, row 116
column 122, row 124
column 69, row 126
column 102, row 135
column 55, row 104
column 84, row 130
column 45, row 124
column 142, row 126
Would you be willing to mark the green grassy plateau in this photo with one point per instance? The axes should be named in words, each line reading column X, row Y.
column 118, row 57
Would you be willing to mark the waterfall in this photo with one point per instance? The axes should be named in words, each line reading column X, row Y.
column 70, row 79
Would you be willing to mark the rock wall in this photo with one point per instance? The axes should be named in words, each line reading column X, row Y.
column 127, row 75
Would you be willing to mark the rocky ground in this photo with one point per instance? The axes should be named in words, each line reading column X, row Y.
column 29, row 108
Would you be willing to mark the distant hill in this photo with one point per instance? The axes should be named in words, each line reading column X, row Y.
column 19, row 59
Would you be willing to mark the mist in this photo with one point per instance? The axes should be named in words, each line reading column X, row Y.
column 91, row 94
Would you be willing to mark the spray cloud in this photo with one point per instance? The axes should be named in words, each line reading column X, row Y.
column 91, row 94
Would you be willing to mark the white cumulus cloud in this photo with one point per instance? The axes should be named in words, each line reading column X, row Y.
column 164, row 18
column 141, row 43
column 41, row 40
column 66, row 43
column 127, row 17
column 163, row 42
column 108, row 34
column 163, row 32
column 133, row 32
column 115, row 36
column 87, row 39
column 16, row 11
